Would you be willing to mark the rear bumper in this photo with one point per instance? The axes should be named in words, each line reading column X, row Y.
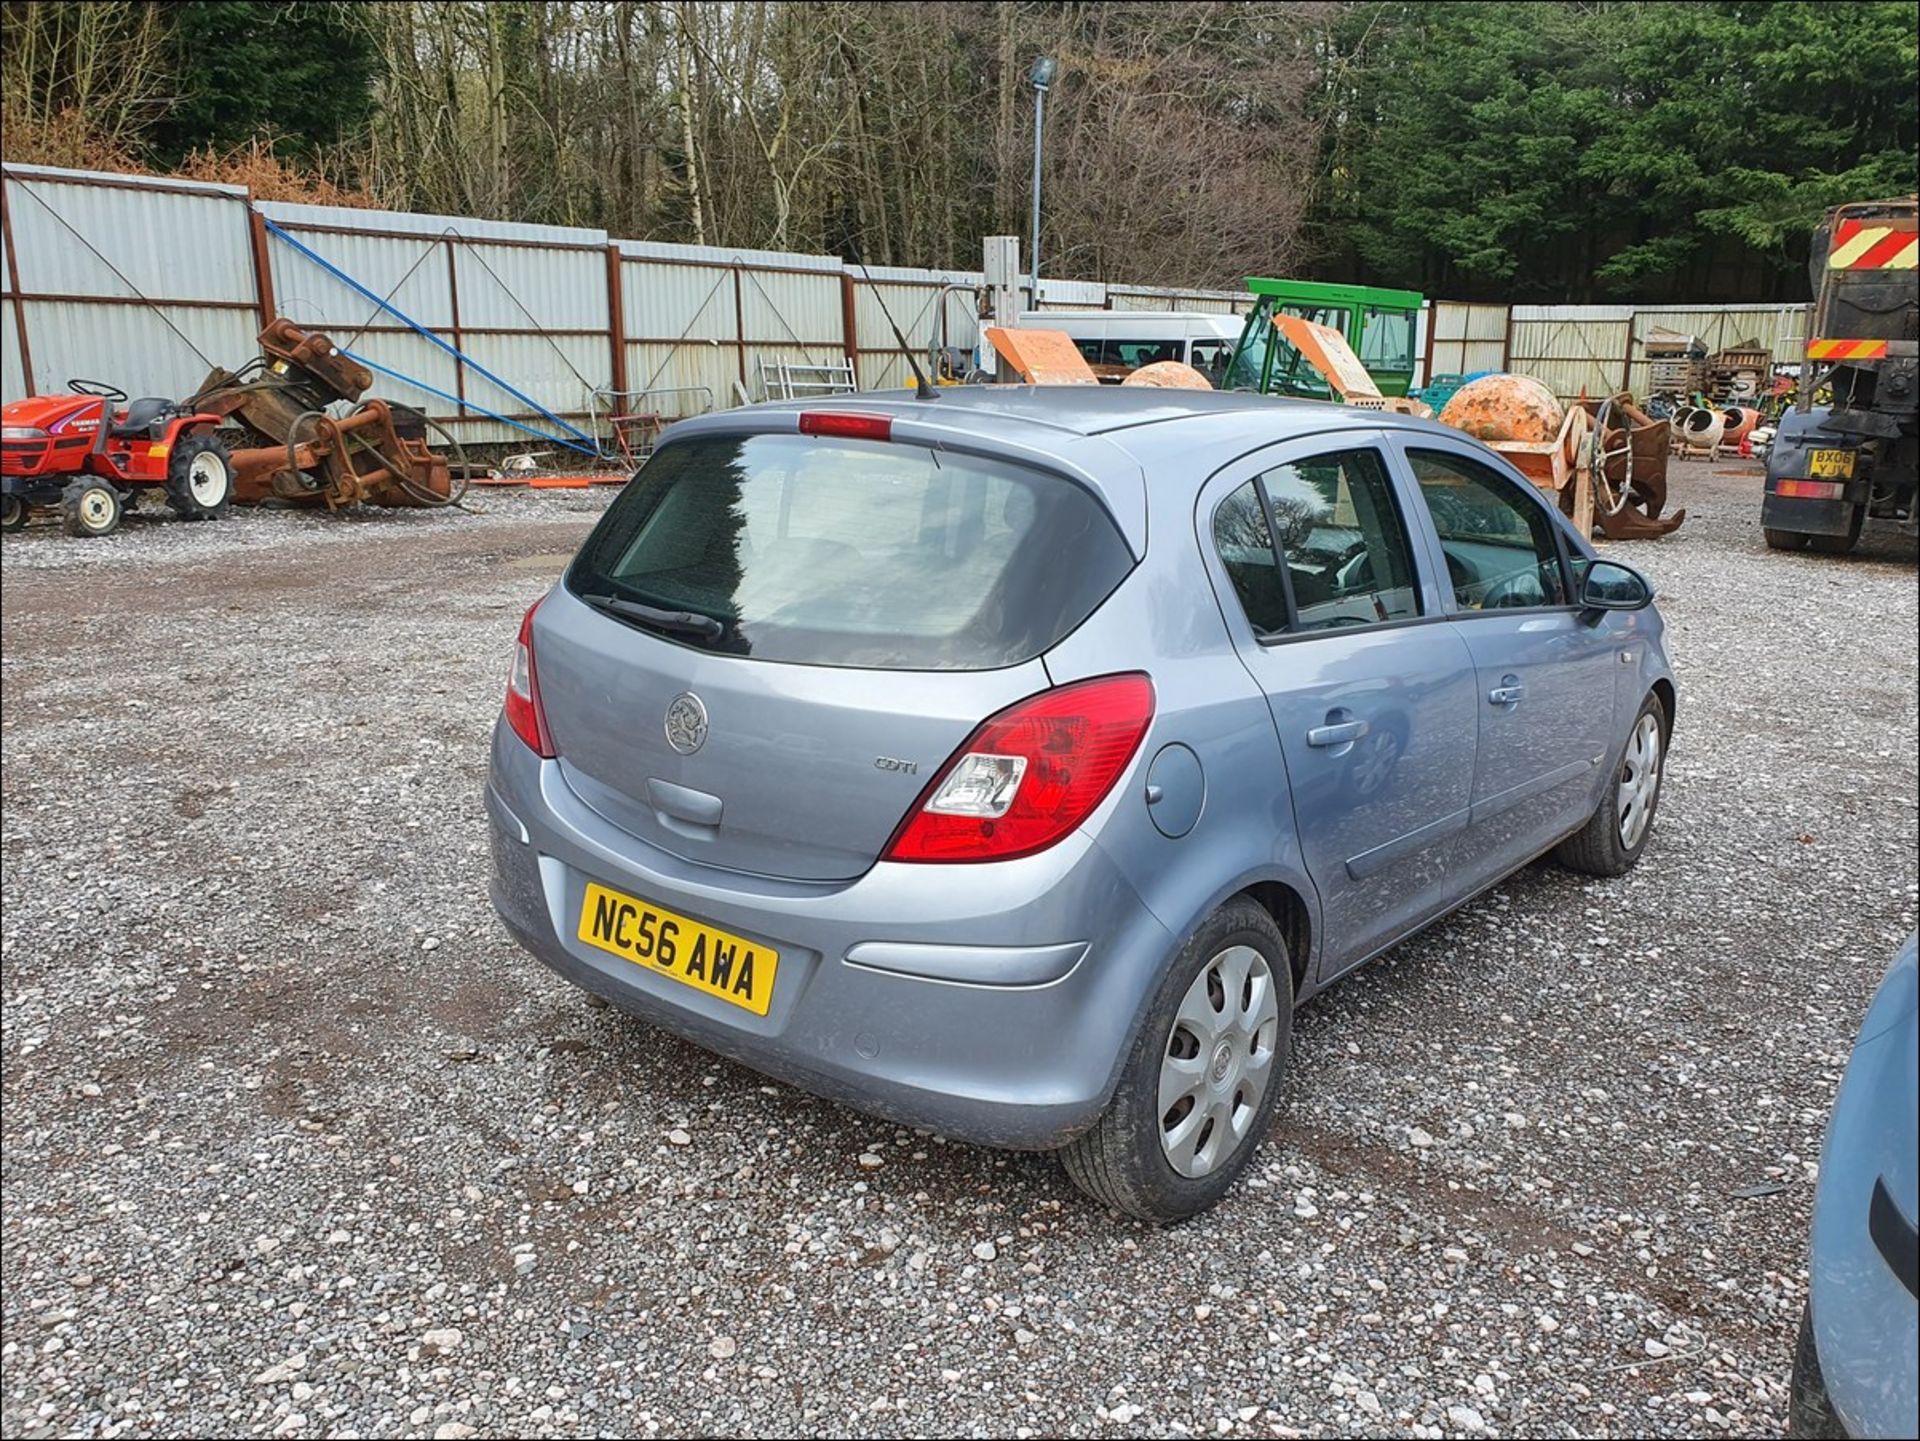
column 991, row 1003
column 1809, row 517
column 1831, row 515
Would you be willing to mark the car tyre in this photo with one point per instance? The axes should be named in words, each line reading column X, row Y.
column 90, row 508
column 1841, row 544
column 1611, row 841
column 1126, row 1159
column 13, row 513
column 1810, row 1410
column 1786, row 539
column 199, row 478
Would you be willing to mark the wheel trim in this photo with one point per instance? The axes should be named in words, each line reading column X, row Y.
column 96, row 509
column 207, row 479
column 1639, row 781
column 1217, row 1061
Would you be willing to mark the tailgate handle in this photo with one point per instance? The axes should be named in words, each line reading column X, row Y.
column 682, row 803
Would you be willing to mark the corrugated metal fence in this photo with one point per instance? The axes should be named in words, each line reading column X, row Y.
column 148, row 283
column 1594, row 349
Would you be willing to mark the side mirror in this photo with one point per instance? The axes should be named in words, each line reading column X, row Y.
column 1609, row 585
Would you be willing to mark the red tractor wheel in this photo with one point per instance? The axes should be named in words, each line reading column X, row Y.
column 13, row 514
column 199, row 477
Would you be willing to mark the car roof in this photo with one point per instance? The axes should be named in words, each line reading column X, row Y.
column 1087, row 409
column 1110, row 437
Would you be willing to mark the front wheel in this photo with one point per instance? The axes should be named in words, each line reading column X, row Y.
column 1611, row 841
column 13, row 513
column 89, row 507
column 199, row 477
column 1202, row 1078
column 1810, row 1412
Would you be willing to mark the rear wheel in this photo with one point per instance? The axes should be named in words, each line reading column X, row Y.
column 1786, row 539
column 199, row 478
column 1201, row 1081
column 1610, row 843
column 13, row 513
column 1841, row 544
column 89, row 507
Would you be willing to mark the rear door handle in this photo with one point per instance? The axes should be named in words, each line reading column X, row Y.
column 1508, row 692
column 1340, row 733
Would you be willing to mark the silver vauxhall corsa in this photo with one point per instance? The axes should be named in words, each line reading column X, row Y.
column 1013, row 763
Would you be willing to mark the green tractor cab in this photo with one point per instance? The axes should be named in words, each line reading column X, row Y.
column 1379, row 324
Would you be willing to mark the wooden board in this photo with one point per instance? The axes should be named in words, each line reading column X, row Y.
column 1328, row 352
column 1042, row 357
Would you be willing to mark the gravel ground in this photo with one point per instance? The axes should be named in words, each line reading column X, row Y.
column 297, row 1143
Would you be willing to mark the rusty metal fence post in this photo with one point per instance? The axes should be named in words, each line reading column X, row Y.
column 262, row 266
column 13, row 284
column 739, row 327
column 459, row 347
column 616, row 319
column 849, row 325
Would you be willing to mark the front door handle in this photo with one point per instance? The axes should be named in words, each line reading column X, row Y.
column 1508, row 692
column 1340, row 733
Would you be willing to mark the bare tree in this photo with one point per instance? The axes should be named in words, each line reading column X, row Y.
column 1181, row 143
column 80, row 82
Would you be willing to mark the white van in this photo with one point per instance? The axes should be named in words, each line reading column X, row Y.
column 1118, row 342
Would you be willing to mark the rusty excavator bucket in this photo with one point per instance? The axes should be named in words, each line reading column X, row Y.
column 374, row 455
column 1630, row 486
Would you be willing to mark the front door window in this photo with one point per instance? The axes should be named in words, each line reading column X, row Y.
column 1499, row 543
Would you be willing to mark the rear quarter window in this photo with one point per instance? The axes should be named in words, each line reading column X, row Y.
column 856, row 553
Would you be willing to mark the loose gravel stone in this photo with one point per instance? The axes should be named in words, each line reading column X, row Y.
column 243, row 785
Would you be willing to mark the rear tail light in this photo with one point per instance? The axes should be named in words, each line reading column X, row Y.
column 524, row 711
column 1811, row 489
column 852, row 427
column 1028, row 775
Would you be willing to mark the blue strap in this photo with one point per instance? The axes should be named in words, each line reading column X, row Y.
column 590, row 447
column 490, row 415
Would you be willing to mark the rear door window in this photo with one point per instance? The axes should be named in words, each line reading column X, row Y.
column 1318, row 544
column 1245, row 544
column 853, row 553
column 1349, row 561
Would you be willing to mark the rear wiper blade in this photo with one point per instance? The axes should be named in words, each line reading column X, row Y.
column 685, row 622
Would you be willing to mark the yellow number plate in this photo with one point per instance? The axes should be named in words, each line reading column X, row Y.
column 1830, row 462
column 723, row 965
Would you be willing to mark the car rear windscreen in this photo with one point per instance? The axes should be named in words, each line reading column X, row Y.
column 851, row 553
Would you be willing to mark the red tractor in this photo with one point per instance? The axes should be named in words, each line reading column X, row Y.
column 79, row 453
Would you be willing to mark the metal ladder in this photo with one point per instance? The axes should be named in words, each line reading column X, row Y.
column 782, row 380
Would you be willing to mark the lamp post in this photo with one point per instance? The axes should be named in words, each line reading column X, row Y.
column 1041, row 78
